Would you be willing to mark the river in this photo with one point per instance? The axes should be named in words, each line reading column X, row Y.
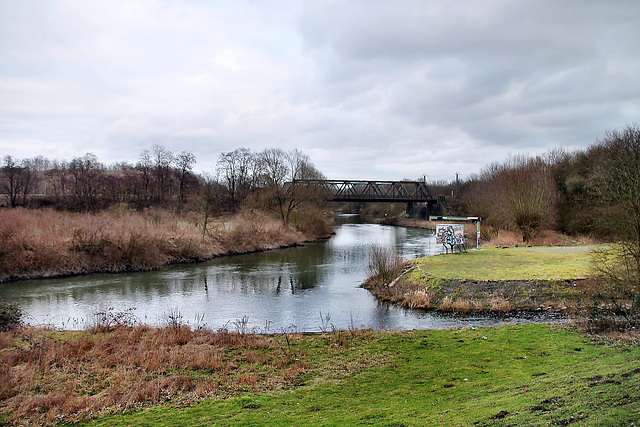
column 309, row 288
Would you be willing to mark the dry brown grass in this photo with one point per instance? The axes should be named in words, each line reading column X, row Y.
column 542, row 238
column 254, row 231
column 500, row 303
column 420, row 299
column 460, row 305
column 47, row 377
column 46, row 243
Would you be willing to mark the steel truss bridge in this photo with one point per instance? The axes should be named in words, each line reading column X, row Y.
column 408, row 192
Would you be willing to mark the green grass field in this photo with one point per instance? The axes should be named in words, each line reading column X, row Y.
column 495, row 263
column 521, row 375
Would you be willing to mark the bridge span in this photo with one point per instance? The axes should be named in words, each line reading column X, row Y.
column 409, row 192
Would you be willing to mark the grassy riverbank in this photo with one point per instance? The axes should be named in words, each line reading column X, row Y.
column 491, row 279
column 509, row 375
column 48, row 243
column 511, row 263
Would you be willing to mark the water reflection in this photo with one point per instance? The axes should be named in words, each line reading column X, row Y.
column 290, row 288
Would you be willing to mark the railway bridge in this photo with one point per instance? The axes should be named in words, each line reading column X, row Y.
column 409, row 192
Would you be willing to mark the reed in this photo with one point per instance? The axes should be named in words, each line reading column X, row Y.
column 47, row 243
column 419, row 299
column 460, row 305
column 501, row 304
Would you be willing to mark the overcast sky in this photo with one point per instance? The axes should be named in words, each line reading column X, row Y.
column 368, row 89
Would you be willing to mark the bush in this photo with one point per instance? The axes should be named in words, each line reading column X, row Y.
column 618, row 186
column 10, row 316
column 313, row 223
column 614, row 295
column 385, row 265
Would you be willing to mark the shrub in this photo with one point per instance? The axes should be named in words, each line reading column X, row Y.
column 10, row 316
column 385, row 265
column 618, row 187
column 613, row 295
column 312, row 223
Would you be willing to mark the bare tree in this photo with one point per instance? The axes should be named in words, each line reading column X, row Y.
column 618, row 185
column 618, row 180
column 211, row 192
column 13, row 180
column 272, row 167
column 519, row 194
column 281, row 173
column 184, row 163
column 121, row 184
column 527, row 195
column 162, row 161
column 145, row 167
column 58, row 178
column 235, row 169
column 39, row 165
column 87, row 174
column 19, row 179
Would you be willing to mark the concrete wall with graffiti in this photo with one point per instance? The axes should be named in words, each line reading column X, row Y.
column 450, row 234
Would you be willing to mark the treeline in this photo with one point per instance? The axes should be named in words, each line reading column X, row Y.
column 86, row 184
column 594, row 191
column 123, row 217
column 162, row 179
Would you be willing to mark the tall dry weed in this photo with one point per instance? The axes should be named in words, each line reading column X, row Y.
column 501, row 304
column 256, row 230
column 419, row 299
column 48, row 377
column 459, row 305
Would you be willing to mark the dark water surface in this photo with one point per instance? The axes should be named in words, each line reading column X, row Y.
column 308, row 288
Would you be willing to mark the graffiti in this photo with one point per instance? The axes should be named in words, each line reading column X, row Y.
column 450, row 235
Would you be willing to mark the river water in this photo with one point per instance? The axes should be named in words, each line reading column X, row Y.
column 310, row 288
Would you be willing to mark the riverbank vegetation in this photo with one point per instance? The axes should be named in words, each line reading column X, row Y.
column 46, row 243
column 587, row 192
column 134, row 375
column 82, row 216
column 595, row 192
column 497, row 279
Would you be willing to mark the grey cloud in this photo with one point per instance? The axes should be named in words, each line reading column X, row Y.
column 519, row 74
column 370, row 89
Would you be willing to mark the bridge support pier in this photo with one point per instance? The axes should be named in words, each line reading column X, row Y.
column 409, row 208
column 426, row 209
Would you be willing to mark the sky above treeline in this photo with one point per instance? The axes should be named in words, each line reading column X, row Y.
column 368, row 89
